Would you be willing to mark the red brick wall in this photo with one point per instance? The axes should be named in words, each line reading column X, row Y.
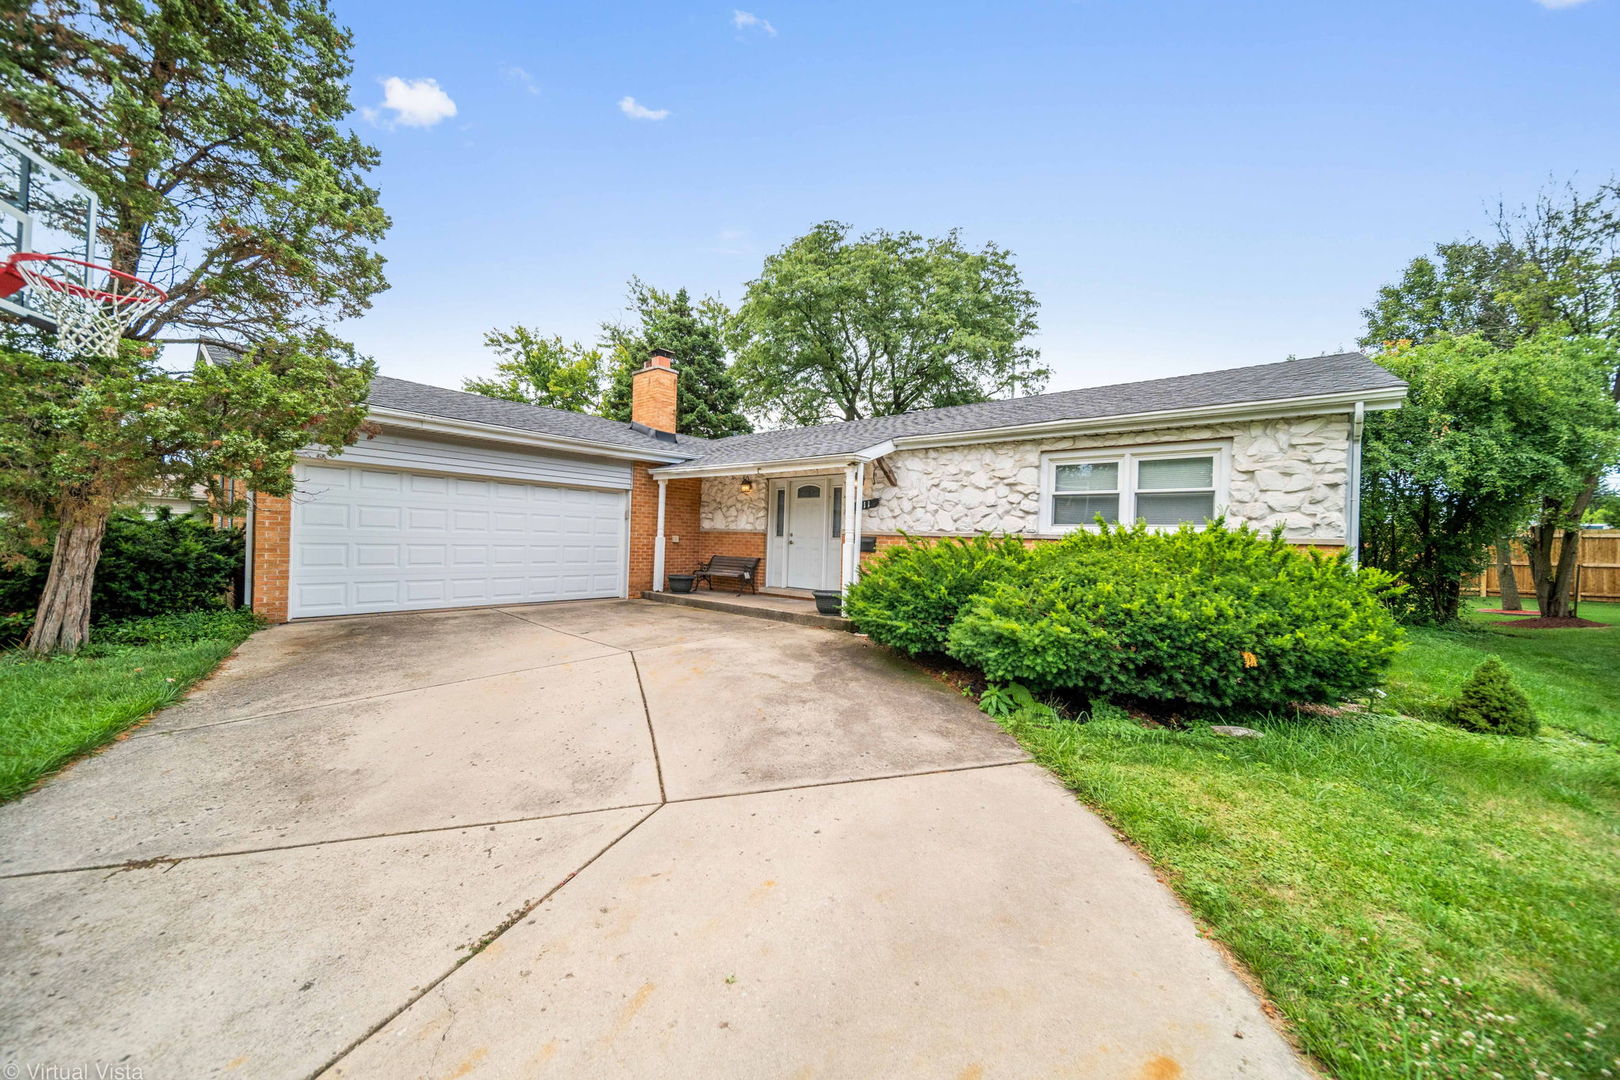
column 681, row 507
column 886, row 541
column 748, row 545
column 272, row 533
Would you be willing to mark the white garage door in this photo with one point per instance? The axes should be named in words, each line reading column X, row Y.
column 388, row 540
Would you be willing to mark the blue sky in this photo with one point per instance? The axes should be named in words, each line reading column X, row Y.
column 1186, row 185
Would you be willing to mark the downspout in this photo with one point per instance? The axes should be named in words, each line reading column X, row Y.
column 658, row 540
column 1352, row 495
column 247, row 555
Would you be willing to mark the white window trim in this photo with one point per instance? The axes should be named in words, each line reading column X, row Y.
column 1128, row 457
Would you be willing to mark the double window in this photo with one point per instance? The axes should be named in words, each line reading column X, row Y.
column 1161, row 485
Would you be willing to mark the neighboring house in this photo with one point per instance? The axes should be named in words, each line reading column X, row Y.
column 463, row 500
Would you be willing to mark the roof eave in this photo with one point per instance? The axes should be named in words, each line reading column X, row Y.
column 778, row 467
column 1377, row 400
column 472, row 429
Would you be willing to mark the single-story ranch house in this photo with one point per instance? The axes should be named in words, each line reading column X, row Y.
column 463, row 500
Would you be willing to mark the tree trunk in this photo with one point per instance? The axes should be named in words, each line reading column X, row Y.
column 1505, row 578
column 1555, row 581
column 63, row 620
column 1560, row 600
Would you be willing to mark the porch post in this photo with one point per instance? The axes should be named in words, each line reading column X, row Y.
column 851, row 501
column 658, row 540
column 860, row 497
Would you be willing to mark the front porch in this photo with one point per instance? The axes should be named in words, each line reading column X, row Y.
column 775, row 605
column 800, row 520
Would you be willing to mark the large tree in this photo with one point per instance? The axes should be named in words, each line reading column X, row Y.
column 1552, row 267
column 707, row 398
column 836, row 328
column 540, row 370
column 213, row 136
column 1482, row 430
column 80, row 435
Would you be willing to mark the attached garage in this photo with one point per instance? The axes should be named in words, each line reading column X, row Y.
column 402, row 523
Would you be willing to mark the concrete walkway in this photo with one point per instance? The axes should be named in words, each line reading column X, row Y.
column 604, row 839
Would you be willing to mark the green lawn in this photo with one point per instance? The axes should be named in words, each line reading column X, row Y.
column 1570, row 674
column 1417, row 900
column 53, row 710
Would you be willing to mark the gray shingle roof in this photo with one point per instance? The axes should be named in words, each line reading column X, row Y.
column 414, row 397
column 1340, row 373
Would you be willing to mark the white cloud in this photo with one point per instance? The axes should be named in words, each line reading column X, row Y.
column 411, row 102
column 520, row 78
column 746, row 20
column 637, row 111
column 731, row 242
column 1556, row 4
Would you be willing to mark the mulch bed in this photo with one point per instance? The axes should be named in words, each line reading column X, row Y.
column 1568, row 622
column 1503, row 611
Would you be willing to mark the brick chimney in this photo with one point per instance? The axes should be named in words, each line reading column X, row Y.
column 652, row 392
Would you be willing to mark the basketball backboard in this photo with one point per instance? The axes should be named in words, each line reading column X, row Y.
column 41, row 209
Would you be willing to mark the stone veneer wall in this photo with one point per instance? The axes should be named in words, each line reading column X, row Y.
column 1290, row 471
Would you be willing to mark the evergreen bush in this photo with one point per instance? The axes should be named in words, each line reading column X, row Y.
column 149, row 566
column 1216, row 617
column 908, row 598
column 1490, row 701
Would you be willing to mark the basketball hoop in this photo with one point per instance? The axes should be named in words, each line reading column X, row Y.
column 90, row 318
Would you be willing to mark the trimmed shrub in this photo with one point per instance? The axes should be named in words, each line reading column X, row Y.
column 908, row 598
column 1490, row 701
column 1211, row 617
column 148, row 567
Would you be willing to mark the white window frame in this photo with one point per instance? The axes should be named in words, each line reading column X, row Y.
column 1128, row 458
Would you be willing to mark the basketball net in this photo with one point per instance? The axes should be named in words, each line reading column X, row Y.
column 90, row 318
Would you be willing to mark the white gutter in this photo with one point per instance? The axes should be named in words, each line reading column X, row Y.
column 468, row 429
column 1352, row 484
column 1247, row 410
column 777, row 468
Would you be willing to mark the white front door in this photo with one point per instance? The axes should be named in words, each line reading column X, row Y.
column 806, row 528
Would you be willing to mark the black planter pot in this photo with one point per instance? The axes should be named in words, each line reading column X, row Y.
column 828, row 601
column 680, row 583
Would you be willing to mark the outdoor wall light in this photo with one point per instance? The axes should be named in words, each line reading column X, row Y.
column 747, row 487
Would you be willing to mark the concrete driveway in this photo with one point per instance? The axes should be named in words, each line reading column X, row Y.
column 601, row 839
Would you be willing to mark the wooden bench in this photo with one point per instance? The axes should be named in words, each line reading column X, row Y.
column 730, row 568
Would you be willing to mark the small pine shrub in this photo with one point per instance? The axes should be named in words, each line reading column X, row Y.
column 1215, row 617
column 1490, row 701
column 908, row 598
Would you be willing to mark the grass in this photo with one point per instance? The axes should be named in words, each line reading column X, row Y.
column 1570, row 674
column 52, row 710
column 1417, row 900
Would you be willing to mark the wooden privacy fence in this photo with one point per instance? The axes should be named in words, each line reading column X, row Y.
column 1597, row 579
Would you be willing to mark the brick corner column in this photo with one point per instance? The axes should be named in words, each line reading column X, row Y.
column 272, row 536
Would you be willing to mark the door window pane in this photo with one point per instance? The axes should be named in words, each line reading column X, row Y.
column 809, row 491
column 1083, row 509
column 1094, row 476
column 1175, row 474
column 1174, row 509
column 838, row 512
column 781, row 509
